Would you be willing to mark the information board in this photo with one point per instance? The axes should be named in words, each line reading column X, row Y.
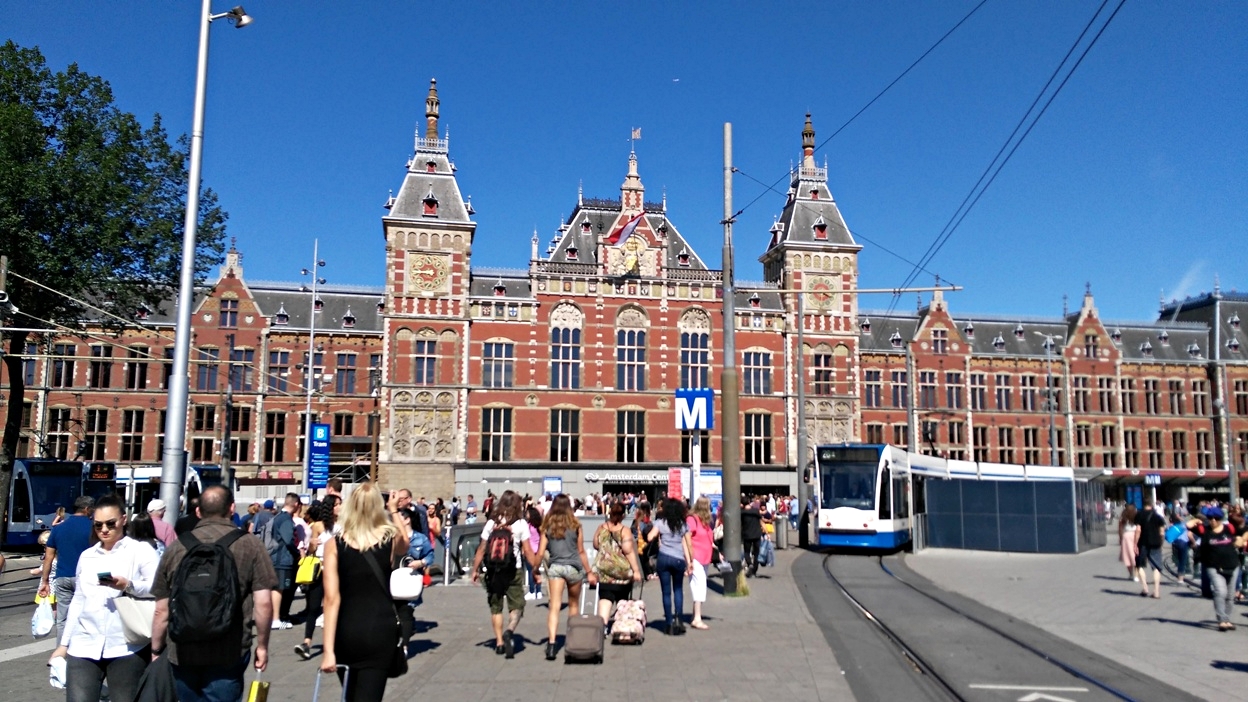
column 318, row 457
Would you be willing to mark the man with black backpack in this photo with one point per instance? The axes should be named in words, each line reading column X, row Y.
column 212, row 602
column 505, row 540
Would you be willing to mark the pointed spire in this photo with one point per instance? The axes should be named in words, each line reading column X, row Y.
column 233, row 267
column 632, row 192
column 1217, row 286
column 808, row 143
column 580, row 193
column 431, row 110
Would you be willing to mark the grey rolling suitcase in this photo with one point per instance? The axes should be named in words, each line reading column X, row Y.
column 346, row 677
column 586, row 637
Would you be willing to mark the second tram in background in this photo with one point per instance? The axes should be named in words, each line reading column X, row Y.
column 867, row 494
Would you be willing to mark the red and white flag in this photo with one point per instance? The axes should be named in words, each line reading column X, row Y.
column 621, row 235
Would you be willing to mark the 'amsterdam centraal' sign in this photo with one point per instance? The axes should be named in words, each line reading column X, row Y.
column 626, row 478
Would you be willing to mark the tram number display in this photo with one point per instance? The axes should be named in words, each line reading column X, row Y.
column 848, row 455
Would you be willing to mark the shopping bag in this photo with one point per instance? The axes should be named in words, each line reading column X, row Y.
column 309, row 568
column 259, row 691
column 56, row 672
column 44, row 619
column 136, row 618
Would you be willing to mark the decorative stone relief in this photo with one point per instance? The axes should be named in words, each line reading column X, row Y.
column 630, row 317
column 599, row 402
column 530, row 400
column 567, row 315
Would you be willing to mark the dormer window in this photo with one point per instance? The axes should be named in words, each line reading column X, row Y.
column 381, row 305
column 142, row 313
column 1193, row 350
column 1146, row 348
column 500, row 290
column 348, row 320
column 1018, row 332
column 755, row 301
column 1233, row 344
column 1233, row 321
column 682, row 258
column 814, row 193
column 571, row 253
column 895, row 340
column 998, row 343
column 431, row 167
column 1164, row 337
column 969, row 330
column 865, row 325
column 318, row 305
column 820, row 228
column 1116, row 335
column 431, row 203
column 663, row 231
column 281, row 319
column 585, row 227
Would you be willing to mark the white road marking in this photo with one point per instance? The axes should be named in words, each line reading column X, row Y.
column 29, row 649
column 1027, row 688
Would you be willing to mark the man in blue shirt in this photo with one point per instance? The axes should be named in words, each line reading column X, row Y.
column 284, row 555
column 66, row 543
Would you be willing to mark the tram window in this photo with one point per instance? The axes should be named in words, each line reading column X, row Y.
column 900, row 507
column 886, row 494
column 920, row 497
column 192, row 491
column 21, row 500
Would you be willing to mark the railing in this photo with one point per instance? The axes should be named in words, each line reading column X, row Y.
column 815, row 173
column 558, row 267
column 437, row 146
column 695, row 275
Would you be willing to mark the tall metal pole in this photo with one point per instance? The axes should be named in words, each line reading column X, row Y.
column 173, row 461
column 309, row 369
column 374, row 378
column 227, row 459
column 803, row 489
column 1220, row 425
column 731, row 432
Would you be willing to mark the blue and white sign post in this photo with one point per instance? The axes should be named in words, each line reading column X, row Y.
column 318, row 457
column 695, row 412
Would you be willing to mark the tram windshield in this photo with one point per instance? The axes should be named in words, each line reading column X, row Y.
column 847, row 477
column 54, row 484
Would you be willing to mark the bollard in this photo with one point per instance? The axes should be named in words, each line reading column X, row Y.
column 782, row 533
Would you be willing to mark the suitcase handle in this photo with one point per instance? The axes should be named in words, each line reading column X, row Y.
column 346, row 677
column 585, row 591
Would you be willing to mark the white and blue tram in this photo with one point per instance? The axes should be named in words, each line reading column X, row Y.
column 141, row 484
column 867, row 494
column 38, row 488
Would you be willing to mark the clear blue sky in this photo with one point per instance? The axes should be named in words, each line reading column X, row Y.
column 1135, row 179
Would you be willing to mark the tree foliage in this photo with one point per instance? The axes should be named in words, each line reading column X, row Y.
column 92, row 203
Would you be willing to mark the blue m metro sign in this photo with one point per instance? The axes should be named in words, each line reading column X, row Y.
column 695, row 409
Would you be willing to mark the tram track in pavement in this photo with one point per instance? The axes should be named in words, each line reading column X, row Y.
column 951, row 653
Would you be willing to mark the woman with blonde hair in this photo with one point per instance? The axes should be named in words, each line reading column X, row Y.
column 361, row 622
column 701, row 543
column 561, row 539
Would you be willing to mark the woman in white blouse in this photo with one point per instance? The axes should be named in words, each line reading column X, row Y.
column 94, row 639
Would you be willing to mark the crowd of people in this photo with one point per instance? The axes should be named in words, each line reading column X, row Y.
column 219, row 580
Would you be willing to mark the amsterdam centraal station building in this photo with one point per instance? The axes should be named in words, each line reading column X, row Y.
column 468, row 379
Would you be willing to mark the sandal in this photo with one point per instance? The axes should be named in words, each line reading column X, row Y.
column 698, row 625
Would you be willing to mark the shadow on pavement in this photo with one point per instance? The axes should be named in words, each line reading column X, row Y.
column 415, row 648
column 1230, row 665
column 1207, row 626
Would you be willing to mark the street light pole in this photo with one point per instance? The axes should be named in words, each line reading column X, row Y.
column 1048, row 392
column 173, row 462
column 309, row 368
column 730, row 434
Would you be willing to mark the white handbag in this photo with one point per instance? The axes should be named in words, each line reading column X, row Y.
column 405, row 583
column 136, row 618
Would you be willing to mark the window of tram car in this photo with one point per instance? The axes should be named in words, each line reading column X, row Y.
column 21, row 500
column 847, row 477
column 886, row 494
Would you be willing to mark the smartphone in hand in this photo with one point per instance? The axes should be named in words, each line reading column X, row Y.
column 104, row 577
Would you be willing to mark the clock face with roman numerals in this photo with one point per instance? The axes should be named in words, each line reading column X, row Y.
column 822, row 293
column 427, row 272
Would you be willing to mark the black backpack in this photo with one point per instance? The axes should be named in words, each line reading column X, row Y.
column 499, row 562
column 204, row 604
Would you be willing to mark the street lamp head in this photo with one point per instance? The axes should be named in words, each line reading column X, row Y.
column 239, row 17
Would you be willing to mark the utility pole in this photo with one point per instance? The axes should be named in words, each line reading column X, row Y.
column 374, row 379
column 1049, row 340
column 227, row 464
column 803, row 488
column 731, row 432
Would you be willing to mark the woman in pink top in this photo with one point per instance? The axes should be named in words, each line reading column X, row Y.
column 701, row 539
column 533, row 516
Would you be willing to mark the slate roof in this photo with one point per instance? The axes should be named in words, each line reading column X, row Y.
column 517, row 288
column 361, row 301
column 419, row 184
column 601, row 215
column 1233, row 312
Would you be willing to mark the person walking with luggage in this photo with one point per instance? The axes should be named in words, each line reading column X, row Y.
column 701, row 543
column 1220, row 544
column 94, row 639
column 324, row 526
column 505, row 542
column 568, row 568
column 361, row 623
column 66, row 543
column 616, row 561
column 675, row 561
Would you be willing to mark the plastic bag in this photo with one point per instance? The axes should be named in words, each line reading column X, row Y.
column 56, row 673
column 44, row 619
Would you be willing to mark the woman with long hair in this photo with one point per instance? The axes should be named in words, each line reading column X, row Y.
column 701, row 543
column 324, row 520
column 1128, row 547
column 561, row 540
column 675, row 561
column 532, row 572
column 616, row 563
column 361, row 622
column 94, row 639
column 507, row 514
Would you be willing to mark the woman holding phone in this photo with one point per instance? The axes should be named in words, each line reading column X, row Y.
column 94, row 639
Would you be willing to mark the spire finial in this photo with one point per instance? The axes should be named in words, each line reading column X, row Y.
column 1065, row 305
column 1217, row 285
column 431, row 110
column 580, row 193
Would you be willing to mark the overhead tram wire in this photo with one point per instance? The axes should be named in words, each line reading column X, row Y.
column 989, row 173
column 870, row 102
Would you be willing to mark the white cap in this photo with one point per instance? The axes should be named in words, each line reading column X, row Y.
column 156, row 505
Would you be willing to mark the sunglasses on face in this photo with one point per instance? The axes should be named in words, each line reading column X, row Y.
column 109, row 525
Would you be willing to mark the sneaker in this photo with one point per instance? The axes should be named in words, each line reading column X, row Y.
column 276, row 625
column 304, row 651
column 288, row 625
column 320, row 621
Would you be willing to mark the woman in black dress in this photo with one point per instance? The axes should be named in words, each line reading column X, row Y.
column 361, row 627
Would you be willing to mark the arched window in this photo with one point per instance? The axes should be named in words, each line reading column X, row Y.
column 565, row 347
column 630, row 349
column 695, row 349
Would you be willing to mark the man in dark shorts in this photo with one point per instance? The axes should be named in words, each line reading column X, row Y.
column 1151, row 538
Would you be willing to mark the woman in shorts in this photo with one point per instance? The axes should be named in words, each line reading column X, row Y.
column 616, row 563
column 561, row 542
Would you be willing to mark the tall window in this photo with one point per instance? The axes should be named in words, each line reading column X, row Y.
column 686, row 446
column 565, row 435
column 1081, row 394
column 498, row 364
column 279, row 369
column 940, row 341
column 953, row 390
column 100, row 372
column 1127, row 394
column 274, row 437
column 205, row 418
column 58, row 433
column 496, row 434
column 901, row 435
column 1027, row 393
column 825, row 372
column 28, row 363
column 1204, row 456
column 1090, row 346
column 1155, row 449
column 136, row 368
column 980, row 445
column 927, row 389
column 1005, row 395
column 565, row 358
column 1005, row 444
column 242, row 370
column 374, row 374
column 229, row 314
column 630, row 359
column 314, row 373
column 95, row 435
column 1176, row 397
column 1152, row 397
column 1031, row 445
column 979, row 394
column 132, row 435
column 1178, row 441
column 1131, row 448
column 757, row 439
column 344, row 374
column 756, row 373
column 630, row 436
column 875, row 433
column 166, row 368
column 1241, row 447
column 901, row 393
column 63, row 365
column 1105, row 395
column 695, row 349
column 1241, row 397
column 240, row 434
column 202, row 449
column 1200, row 398
column 1053, row 393
column 874, row 389
column 344, row 424
column 160, row 432
column 206, row 375
column 957, row 433
column 425, row 358
column 1083, row 446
